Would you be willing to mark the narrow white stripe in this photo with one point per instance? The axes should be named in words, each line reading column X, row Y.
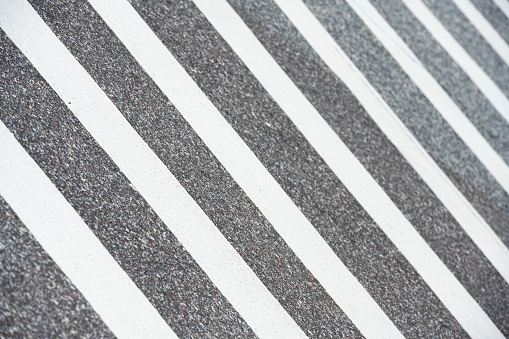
column 473, row 224
column 504, row 6
column 73, row 246
column 433, row 91
column 245, row 168
column 485, row 28
column 485, row 84
column 344, row 164
column 146, row 172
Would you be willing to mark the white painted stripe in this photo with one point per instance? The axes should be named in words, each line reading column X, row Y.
column 485, row 28
column 73, row 246
column 344, row 164
column 504, row 6
column 433, row 91
column 145, row 171
column 485, row 84
column 245, row 168
column 473, row 224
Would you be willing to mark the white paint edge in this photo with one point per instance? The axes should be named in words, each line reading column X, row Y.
column 344, row 164
column 433, row 91
column 485, row 84
column 72, row 245
column 504, row 6
column 466, row 215
column 245, row 168
column 145, row 171
column 485, row 29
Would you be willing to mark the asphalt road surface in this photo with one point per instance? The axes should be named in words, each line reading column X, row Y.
column 269, row 168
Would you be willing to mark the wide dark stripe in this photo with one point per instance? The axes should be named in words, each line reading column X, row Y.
column 37, row 300
column 495, row 16
column 178, row 146
column 342, row 111
column 493, row 127
column 416, row 112
column 472, row 41
column 298, row 169
column 116, row 213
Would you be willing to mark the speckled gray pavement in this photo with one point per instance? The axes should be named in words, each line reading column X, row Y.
column 37, row 300
column 198, row 171
column 452, row 78
column 495, row 16
column 342, row 111
column 493, row 127
column 472, row 41
column 299, row 170
column 114, row 211
column 416, row 112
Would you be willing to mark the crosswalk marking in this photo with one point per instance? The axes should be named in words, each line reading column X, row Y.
column 244, row 166
column 485, row 29
column 463, row 59
column 434, row 92
column 504, row 6
column 341, row 160
column 150, row 177
column 473, row 224
column 134, row 309
column 351, row 122
column 467, row 96
column 414, row 109
column 77, row 251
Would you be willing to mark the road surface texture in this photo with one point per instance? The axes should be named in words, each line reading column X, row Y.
column 269, row 168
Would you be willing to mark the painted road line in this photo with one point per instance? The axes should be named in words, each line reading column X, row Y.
column 493, row 127
column 473, row 224
column 406, row 100
column 485, row 29
column 461, row 57
column 118, row 215
column 495, row 16
column 472, row 41
column 504, row 6
column 299, row 169
column 433, row 91
column 73, row 246
column 340, row 159
column 145, row 171
column 245, row 168
column 26, row 269
column 171, row 138
column 343, row 112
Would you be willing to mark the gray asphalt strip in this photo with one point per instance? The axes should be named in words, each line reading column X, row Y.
column 290, row 159
column 495, row 16
column 176, row 144
column 416, row 112
column 36, row 299
column 472, row 41
column 342, row 111
column 117, row 214
column 493, row 127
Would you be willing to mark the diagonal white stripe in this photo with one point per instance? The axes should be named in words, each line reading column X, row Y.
column 433, row 91
column 344, row 164
column 473, row 224
column 504, row 6
column 245, row 168
column 485, row 28
column 73, row 246
column 146, row 172
column 485, row 84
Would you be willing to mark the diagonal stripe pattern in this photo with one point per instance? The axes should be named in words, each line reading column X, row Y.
column 230, row 249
